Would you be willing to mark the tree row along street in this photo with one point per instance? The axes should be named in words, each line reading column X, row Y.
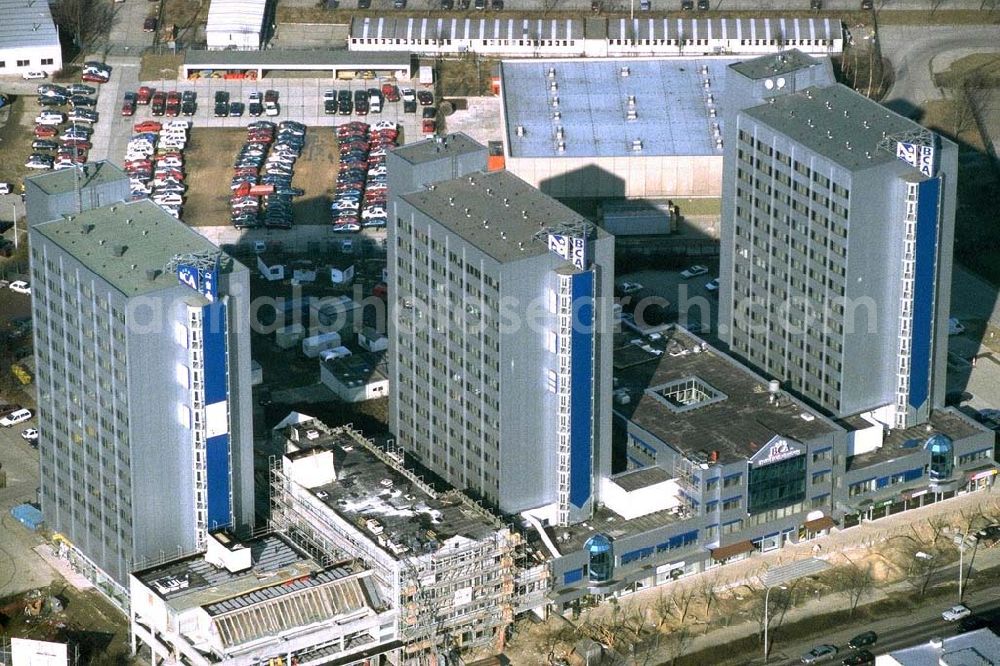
column 876, row 581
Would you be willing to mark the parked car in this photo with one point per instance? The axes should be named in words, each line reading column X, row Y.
column 81, row 89
column 129, row 104
column 712, row 285
column 391, row 92
column 863, row 640
column 955, row 327
column 236, row 109
column 19, row 416
column 144, row 95
column 20, row 287
column 149, row 25
column 34, row 74
column 819, row 654
column 29, row 435
column 956, row 613
column 860, row 658
column 694, row 271
column 425, row 97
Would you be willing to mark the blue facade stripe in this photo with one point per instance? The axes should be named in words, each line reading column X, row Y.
column 219, row 506
column 582, row 382
column 928, row 200
column 572, row 576
column 214, row 336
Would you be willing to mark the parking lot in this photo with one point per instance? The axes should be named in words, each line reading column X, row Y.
column 209, row 159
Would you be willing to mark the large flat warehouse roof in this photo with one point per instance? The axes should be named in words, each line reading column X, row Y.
column 591, row 100
column 26, row 24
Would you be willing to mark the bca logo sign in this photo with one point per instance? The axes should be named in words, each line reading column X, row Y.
column 188, row 275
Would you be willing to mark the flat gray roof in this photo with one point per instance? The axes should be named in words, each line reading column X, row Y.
column 640, row 478
column 192, row 581
column 671, row 105
column 358, row 369
column 774, row 64
column 65, row 180
column 150, row 238
column 429, row 150
column 837, row 123
column 975, row 648
column 762, row 29
column 736, row 426
column 462, row 204
column 26, row 24
column 321, row 59
column 368, row 488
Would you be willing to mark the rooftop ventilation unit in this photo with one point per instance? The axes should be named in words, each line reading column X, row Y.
column 864, row 123
column 829, row 134
column 828, row 106
column 707, row 83
column 847, row 114
column 636, row 145
column 561, row 146
column 451, row 201
column 118, row 250
column 312, row 434
column 560, row 134
column 631, row 100
column 631, row 115
column 625, row 71
column 468, row 213
column 868, row 154
column 718, row 144
column 710, row 99
column 847, row 144
column 704, row 69
column 553, row 86
column 519, row 130
column 556, row 115
column 711, row 113
column 555, row 101
column 552, row 72
column 506, row 202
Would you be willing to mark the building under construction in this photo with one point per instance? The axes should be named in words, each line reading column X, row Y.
column 448, row 566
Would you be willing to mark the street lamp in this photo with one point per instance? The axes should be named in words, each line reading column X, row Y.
column 13, row 209
column 961, row 561
column 779, row 576
column 766, row 595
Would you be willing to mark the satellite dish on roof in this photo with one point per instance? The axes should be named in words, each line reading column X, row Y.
column 781, row 82
column 768, row 83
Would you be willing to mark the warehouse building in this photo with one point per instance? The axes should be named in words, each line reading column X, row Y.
column 595, row 37
column 236, row 25
column 613, row 128
column 29, row 40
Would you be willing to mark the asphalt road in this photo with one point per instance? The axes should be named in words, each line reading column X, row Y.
column 913, row 628
column 917, row 50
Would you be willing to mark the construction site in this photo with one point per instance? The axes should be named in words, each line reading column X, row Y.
column 449, row 568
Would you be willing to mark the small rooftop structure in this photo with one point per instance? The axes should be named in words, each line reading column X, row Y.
column 774, row 65
column 697, row 399
column 497, row 212
column 419, row 152
column 235, row 24
column 129, row 244
column 602, row 107
column 67, row 180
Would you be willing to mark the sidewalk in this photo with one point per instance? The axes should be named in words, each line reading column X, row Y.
column 834, row 547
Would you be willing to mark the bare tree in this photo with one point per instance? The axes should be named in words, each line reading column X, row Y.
column 676, row 643
column 85, row 19
column 555, row 640
column 856, row 582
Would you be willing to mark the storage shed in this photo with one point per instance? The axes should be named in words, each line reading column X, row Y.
column 235, row 25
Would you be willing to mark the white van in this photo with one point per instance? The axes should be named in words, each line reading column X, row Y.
column 20, row 416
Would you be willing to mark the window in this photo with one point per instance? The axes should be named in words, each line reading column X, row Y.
column 23, row 63
column 732, row 480
column 821, row 477
column 47, row 61
column 734, row 526
column 731, row 503
column 861, row 487
column 711, row 485
column 975, row 455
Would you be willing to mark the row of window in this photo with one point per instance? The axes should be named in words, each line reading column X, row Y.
column 27, row 63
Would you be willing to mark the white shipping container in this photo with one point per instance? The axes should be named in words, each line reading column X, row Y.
column 315, row 344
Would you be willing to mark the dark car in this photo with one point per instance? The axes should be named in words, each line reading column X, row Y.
column 236, row 109
column 270, row 97
column 345, row 107
column 364, row 4
column 425, row 97
column 410, row 106
column 255, row 109
column 149, row 25
column 82, row 100
column 496, row 5
column 703, row 5
column 867, row 4
column 80, row 89
column 330, row 107
column 863, row 640
column 447, row 4
column 189, row 96
column 480, row 4
column 687, row 5
column 429, row 112
column 188, row 108
column 860, row 658
column 399, row 4
column 816, row 4
column 221, row 97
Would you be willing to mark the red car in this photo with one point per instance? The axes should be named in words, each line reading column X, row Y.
column 128, row 107
column 144, row 95
column 173, row 103
column 148, row 126
column 391, row 92
column 158, row 104
column 45, row 131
